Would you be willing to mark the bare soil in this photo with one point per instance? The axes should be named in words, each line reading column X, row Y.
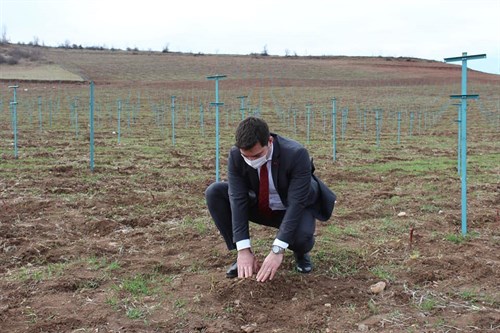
column 72, row 242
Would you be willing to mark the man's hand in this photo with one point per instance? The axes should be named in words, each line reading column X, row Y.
column 269, row 267
column 247, row 263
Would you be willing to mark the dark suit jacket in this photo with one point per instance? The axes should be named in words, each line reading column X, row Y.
column 294, row 180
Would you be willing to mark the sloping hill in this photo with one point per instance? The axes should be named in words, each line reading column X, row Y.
column 30, row 64
column 106, row 66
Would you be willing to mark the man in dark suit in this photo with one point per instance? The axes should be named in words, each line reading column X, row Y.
column 270, row 182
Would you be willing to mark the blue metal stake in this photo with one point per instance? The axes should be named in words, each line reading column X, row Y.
column 295, row 122
column 14, row 119
column 242, row 106
column 364, row 122
column 463, row 125
column 76, row 118
column 40, row 113
column 31, row 112
column 172, row 109
column 202, row 121
column 50, row 112
column 399, row 127
column 459, row 121
column 216, row 104
column 377, row 124
column 412, row 117
column 345, row 112
column 334, row 128
column 91, row 118
column 119, row 120
column 308, row 107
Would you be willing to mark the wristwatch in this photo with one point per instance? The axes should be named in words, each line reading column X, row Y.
column 277, row 249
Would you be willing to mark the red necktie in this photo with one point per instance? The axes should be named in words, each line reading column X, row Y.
column 264, row 192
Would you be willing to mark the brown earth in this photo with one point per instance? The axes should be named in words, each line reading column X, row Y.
column 130, row 247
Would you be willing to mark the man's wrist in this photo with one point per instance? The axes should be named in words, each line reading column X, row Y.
column 243, row 244
column 280, row 243
column 247, row 249
column 276, row 249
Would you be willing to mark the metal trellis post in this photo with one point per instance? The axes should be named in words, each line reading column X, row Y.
column 463, row 125
column 14, row 118
column 216, row 78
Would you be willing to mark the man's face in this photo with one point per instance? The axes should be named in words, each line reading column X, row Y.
column 256, row 151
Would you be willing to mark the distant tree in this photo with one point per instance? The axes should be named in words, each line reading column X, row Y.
column 4, row 39
column 166, row 48
column 66, row 44
column 287, row 52
column 264, row 51
column 36, row 41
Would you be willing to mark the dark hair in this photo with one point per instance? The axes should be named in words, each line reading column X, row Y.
column 250, row 131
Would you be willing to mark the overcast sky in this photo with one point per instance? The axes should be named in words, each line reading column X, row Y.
column 430, row 29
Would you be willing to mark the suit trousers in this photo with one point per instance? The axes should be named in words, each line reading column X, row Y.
column 217, row 197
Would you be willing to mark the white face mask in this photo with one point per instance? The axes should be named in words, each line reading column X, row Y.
column 257, row 163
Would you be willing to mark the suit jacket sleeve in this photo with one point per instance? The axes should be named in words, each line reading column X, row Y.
column 299, row 177
column 238, row 196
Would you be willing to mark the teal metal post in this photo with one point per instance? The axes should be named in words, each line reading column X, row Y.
column 172, row 109
column 40, row 113
column 345, row 112
column 463, row 132
column 399, row 127
column 242, row 106
column 50, row 113
column 216, row 78
column 334, row 128
column 14, row 119
column 412, row 117
column 31, row 112
column 308, row 110
column 91, row 118
column 294, row 122
column 459, row 121
column 364, row 122
column 202, row 121
column 377, row 124
column 76, row 118
column 119, row 120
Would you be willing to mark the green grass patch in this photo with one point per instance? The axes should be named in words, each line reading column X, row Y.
column 338, row 262
column 394, row 225
column 430, row 208
column 383, row 273
column 135, row 313
column 138, row 295
column 459, row 238
column 420, row 166
column 337, row 231
column 428, row 304
column 138, row 285
column 42, row 273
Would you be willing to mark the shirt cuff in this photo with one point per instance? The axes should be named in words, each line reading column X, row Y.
column 243, row 244
column 278, row 242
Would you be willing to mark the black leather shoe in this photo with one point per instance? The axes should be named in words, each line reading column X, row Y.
column 303, row 262
column 232, row 272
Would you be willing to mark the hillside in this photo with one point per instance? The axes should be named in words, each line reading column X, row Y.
column 105, row 66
